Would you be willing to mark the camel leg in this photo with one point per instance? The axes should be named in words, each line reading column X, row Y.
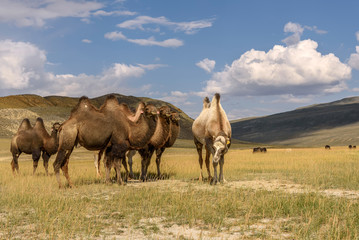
column 45, row 158
column 35, row 158
column 14, row 163
column 158, row 160
column 124, row 163
column 199, row 147
column 97, row 161
column 214, row 180
column 221, row 177
column 148, row 160
column 117, row 165
column 143, row 154
column 130, row 154
column 108, row 165
column 60, row 158
column 65, row 168
column 208, row 155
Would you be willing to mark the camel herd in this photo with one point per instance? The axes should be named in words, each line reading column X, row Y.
column 114, row 132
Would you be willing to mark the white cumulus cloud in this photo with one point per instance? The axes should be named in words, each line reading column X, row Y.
column 297, row 31
column 297, row 69
column 22, row 69
column 35, row 13
column 21, row 64
column 207, row 64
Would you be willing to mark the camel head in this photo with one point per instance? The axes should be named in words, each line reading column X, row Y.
column 220, row 147
column 151, row 111
column 55, row 127
column 165, row 112
column 175, row 117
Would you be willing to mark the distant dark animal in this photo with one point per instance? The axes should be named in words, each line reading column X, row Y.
column 256, row 150
column 36, row 141
column 259, row 149
column 327, row 147
column 354, row 147
column 350, row 146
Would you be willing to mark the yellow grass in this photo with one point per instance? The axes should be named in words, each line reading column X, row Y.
column 308, row 193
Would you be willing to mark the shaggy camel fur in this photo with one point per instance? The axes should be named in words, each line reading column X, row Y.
column 134, row 117
column 105, row 128
column 212, row 129
column 34, row 140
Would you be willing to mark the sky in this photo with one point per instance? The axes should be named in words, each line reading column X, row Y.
column 262, row 56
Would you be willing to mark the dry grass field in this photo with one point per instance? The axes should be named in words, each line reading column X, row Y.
column 283, row 194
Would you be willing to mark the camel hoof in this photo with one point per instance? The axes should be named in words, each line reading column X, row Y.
column 213, row 182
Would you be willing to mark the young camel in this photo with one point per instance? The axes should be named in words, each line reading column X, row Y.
column 212, row 129
column 34, row 140
column 97, row 129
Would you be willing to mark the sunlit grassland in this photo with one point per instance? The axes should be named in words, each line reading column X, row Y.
column 34, row 206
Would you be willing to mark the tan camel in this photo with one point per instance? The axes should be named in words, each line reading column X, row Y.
column 158, row 140
column 134, row 117
column 212, row 129
column 96, row 129
column 173, row 134
column 34, row 140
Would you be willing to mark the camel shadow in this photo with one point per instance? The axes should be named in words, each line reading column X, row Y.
column 151, row 176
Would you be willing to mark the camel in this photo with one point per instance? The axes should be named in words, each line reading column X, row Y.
column 98, row 129
column 36, row 141
column 134, row 117
column 173, row 134
column 212, row 129
column 158, row 140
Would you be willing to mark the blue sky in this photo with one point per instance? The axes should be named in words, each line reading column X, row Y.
column 264, row 57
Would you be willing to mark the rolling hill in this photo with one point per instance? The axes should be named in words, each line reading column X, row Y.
column 335, row 123
column 57, row 109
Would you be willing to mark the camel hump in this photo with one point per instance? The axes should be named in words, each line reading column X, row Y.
column 217, row 96
column 39, row 123
column 83, row 98
column 111, row 96
column 24, row 125
column 111, row 102
column 215, row 100
column 206, row 103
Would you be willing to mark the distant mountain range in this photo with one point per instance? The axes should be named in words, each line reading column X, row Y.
column 335, row 123
column 57, row 109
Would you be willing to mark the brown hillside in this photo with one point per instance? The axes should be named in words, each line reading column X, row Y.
column 57, row 109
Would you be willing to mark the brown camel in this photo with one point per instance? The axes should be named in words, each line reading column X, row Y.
column 173, row 134
column 158, row 140
column 34, row 140
column 105, row 128
column 133, row 116
column 212, row 129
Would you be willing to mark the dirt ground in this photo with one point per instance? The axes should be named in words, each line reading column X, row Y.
column 268, row 227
